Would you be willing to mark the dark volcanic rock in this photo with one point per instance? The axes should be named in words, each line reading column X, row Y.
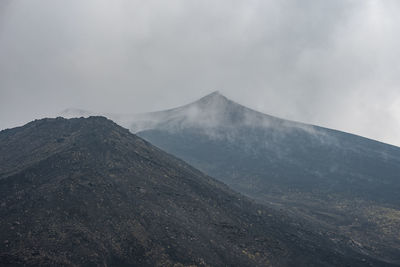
column 339, row 182
column 87, row 192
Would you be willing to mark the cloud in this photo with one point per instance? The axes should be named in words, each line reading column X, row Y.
column 331, row 63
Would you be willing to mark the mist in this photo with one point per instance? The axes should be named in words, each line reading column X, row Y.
column 333, row 64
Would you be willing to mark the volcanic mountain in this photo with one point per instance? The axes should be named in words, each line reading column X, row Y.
column 339, row 181
column 88, row 192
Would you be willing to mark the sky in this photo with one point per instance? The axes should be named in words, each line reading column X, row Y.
column 329, row 63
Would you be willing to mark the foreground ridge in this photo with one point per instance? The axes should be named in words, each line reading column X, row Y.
column 88, row 192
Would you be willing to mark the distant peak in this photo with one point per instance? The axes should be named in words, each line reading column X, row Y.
column 214, row 96
column 216, row 93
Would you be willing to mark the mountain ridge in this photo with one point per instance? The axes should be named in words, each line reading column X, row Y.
column 335, row 179
column 137, row 122
column 88, row 192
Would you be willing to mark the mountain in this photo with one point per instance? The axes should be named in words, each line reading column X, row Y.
column 88, row 192
column 341, row 182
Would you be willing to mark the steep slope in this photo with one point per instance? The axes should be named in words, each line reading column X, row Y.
column 88, row 192
column 339, row 181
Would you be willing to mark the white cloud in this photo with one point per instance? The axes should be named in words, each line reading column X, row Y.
column 332, row 63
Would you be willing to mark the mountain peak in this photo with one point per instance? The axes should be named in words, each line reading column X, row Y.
column 213, row 96
column 211, row 111
column 212, row 102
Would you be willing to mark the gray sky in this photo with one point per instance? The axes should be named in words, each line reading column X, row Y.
column 330, row 63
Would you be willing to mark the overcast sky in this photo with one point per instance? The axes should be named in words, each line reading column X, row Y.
column 330, row 63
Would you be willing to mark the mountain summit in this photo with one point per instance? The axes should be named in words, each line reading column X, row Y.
column 210, row 112
column 337, row 180
column 212, row 102
column 216, row 95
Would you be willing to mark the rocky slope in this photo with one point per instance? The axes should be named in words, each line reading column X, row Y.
column 88, row 192
column 340, row 182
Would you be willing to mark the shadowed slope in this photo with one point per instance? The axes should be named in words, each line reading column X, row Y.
column 345, row 183
column 88, row 192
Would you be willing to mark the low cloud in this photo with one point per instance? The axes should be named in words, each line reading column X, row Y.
column 331, row 63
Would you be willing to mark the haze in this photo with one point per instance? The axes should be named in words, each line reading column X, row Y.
column 330, row 63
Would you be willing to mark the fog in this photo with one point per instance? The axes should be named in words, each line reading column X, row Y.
column 329, row 63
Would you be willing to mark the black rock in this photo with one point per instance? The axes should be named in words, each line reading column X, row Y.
column 339, row 182
column 103, row 196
